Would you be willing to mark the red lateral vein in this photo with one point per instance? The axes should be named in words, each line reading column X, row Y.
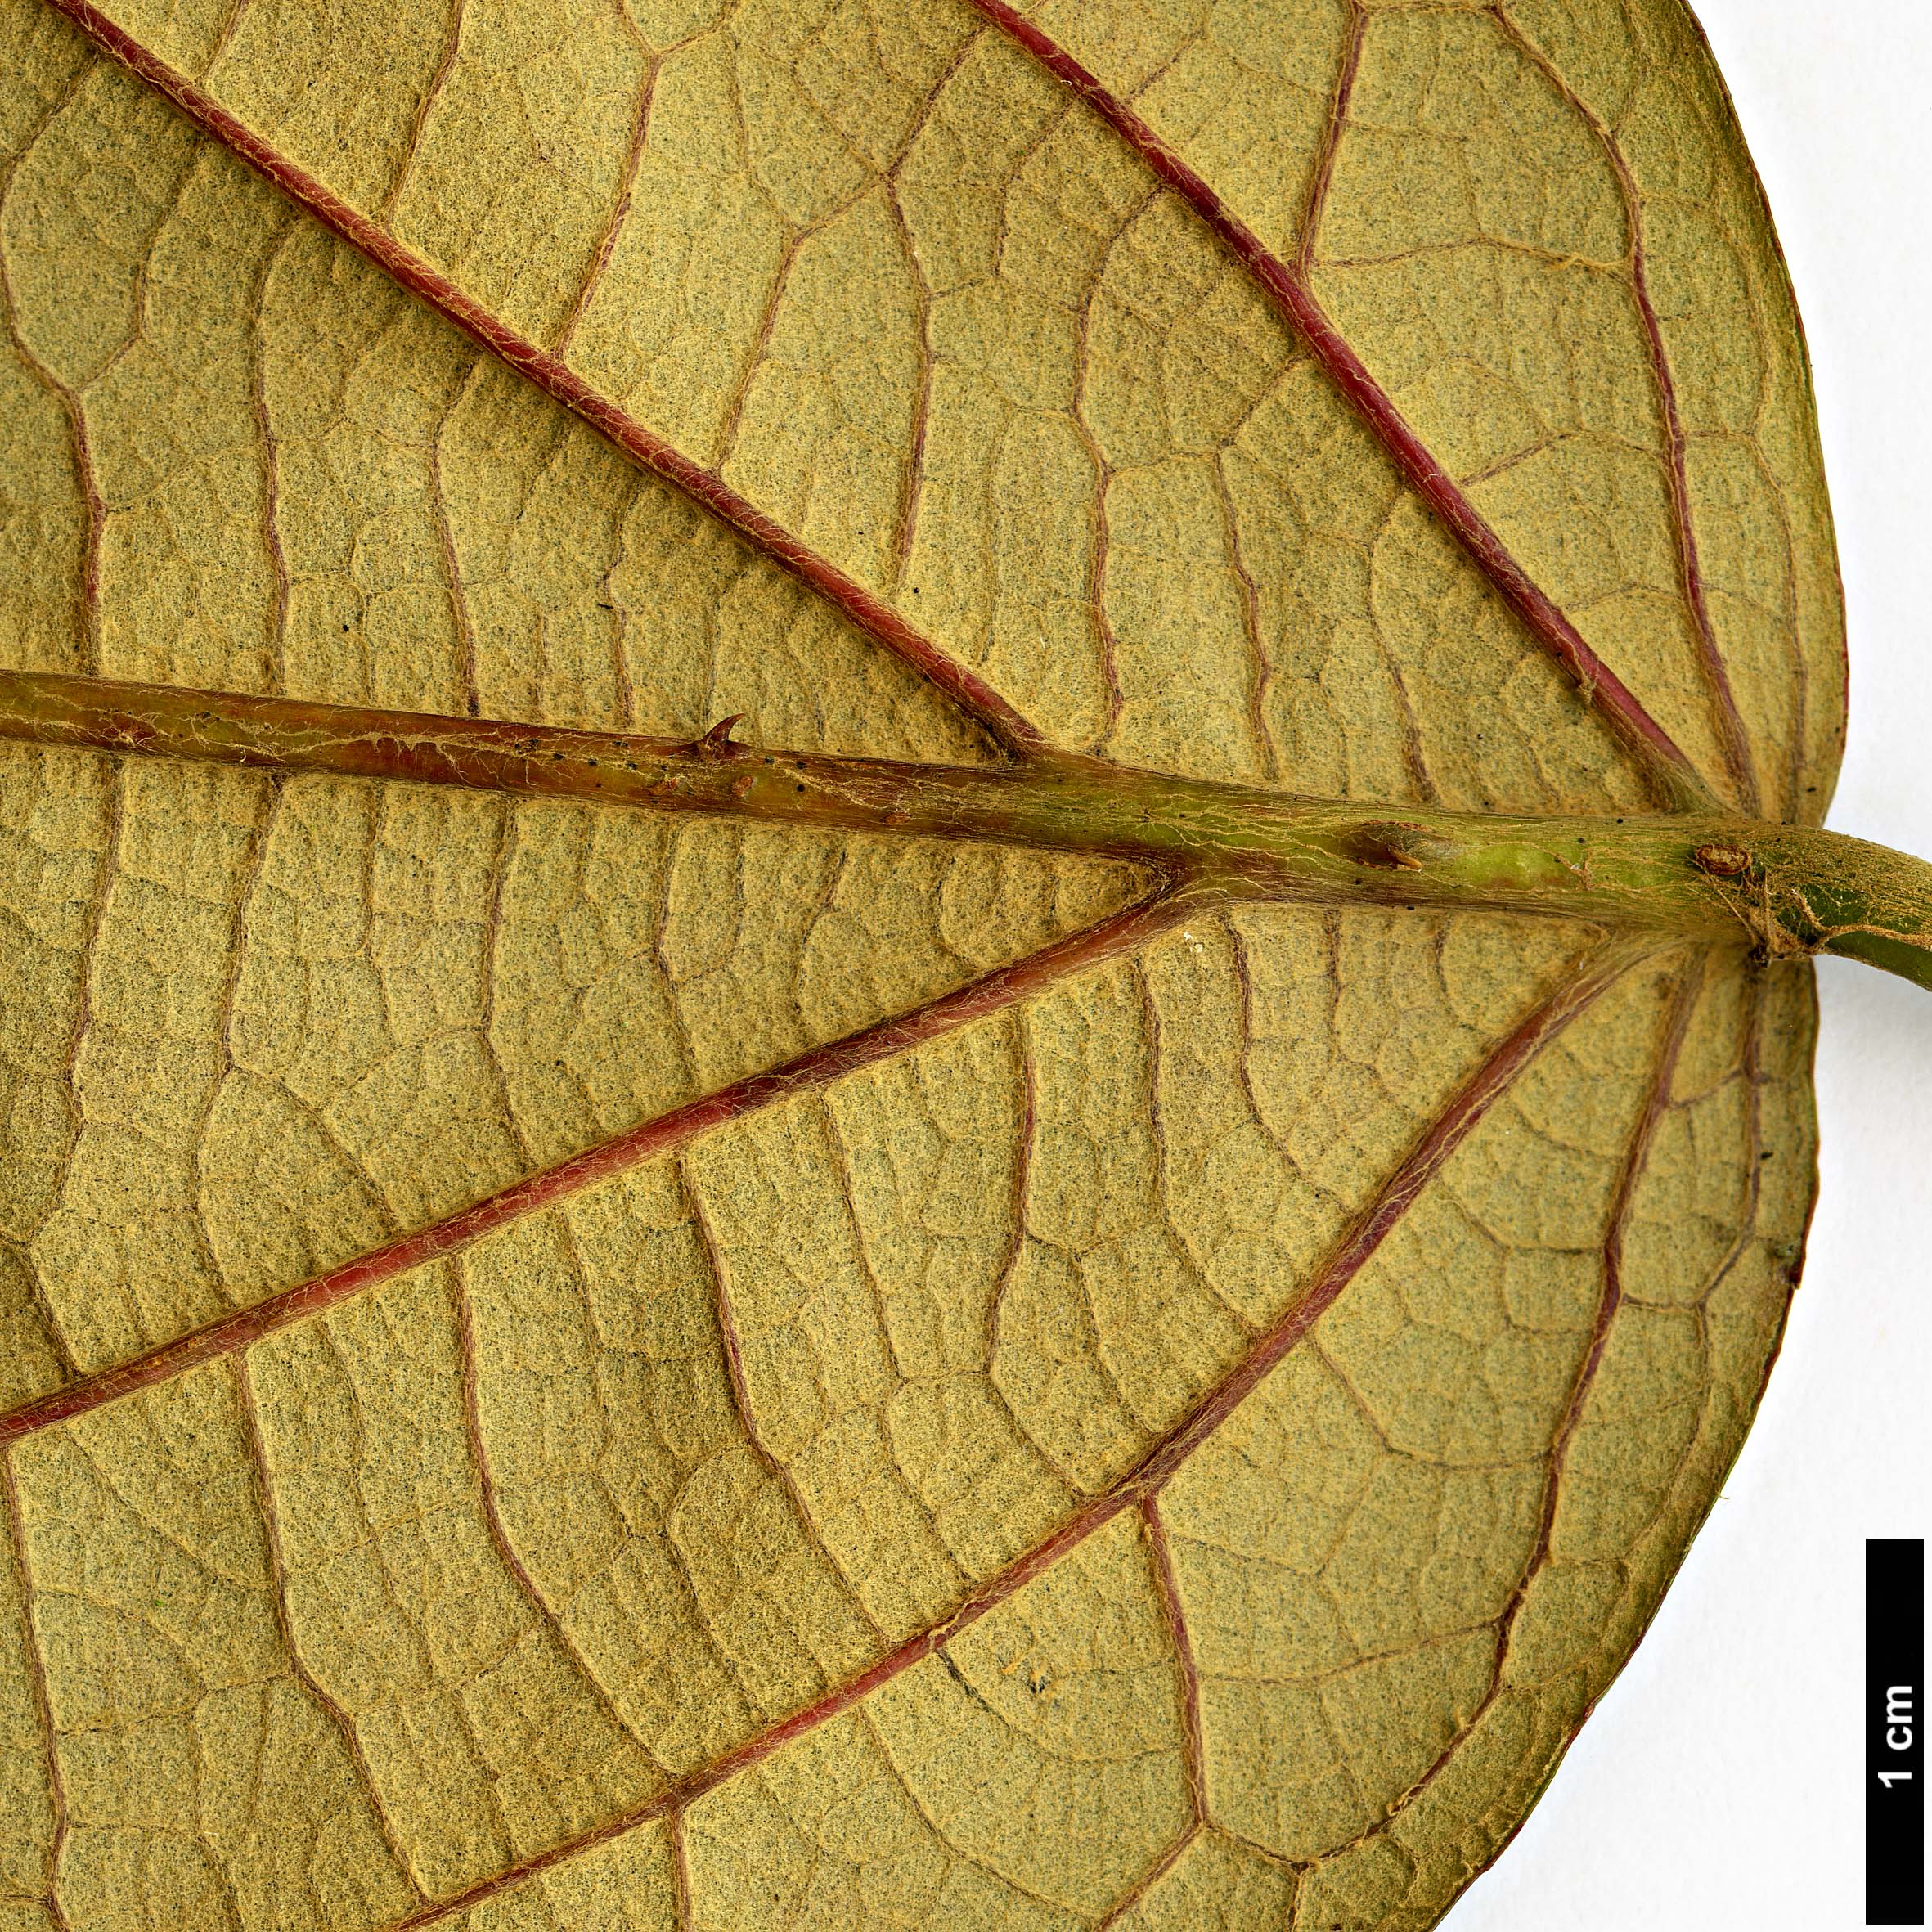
column 1133, row 1490
column 1637, row 1155
column 860, row 607
column 992, row 993
column 1465, row 1110
column 1731, row 739
column 1657, row 753
column 1735, row 745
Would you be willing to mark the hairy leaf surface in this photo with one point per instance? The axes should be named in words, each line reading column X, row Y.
column 574, row 1368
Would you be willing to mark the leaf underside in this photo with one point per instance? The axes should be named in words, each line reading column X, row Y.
column 566, row 1370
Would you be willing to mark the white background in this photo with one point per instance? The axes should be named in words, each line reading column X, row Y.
column 1719, row 1784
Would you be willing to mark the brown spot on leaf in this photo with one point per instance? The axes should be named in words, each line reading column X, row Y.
column 1722, row 861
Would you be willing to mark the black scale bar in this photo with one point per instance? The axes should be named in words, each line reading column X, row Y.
column 1894, row 1731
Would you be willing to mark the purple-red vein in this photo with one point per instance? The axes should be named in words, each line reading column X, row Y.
column 1732, row 741
column 862, row 608
column 1464, row 1112
column 1657, row 753
column 992, row 993
column 1635, row 1157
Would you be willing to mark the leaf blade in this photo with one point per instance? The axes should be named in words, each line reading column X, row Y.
column 1169, row 705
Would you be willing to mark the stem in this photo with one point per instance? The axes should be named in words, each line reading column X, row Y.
column 1784, row 891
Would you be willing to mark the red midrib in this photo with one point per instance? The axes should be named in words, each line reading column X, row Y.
column 1655, row 751
column 1659, row 753
column 866, row 611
